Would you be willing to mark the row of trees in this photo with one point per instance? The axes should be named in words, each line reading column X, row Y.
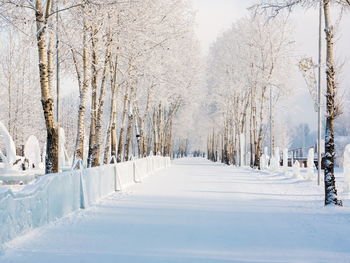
column 255, row 52
column 132, row 66
column 333, row 110
column 247, row 73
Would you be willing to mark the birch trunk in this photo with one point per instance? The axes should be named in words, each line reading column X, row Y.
column 155, row 132
column 137, row 128
column 120, row 156
column 169, row 137
column 111, row 133
column 251, row 141
column 329, row 179
column 100, row 106
column 129, row 131
column 225, row 144
column 41, row 17
column 94, row 62
column 143, row 141
column 258, row 148
column 83, row 92
column 159, row 129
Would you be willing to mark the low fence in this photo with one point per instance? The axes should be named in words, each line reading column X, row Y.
column 57, row 195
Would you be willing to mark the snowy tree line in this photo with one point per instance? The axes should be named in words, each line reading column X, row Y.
column 243, row 85
column 133, row 66
column 247, row 70
column 333, row 104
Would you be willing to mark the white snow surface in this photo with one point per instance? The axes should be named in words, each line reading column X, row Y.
column 198, row 211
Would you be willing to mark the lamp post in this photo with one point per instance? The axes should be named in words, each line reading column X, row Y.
column 271, row 150
column 319, row 157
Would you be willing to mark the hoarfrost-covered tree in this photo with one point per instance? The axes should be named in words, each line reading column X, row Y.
column 332, row 107
column 126, row 61
column 20, row 112
column 37, row 18
column 247, row 68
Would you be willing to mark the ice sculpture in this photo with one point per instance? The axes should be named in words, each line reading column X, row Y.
column 242, row 148
column 346, row 165
column 10, row 147
column 263, row 162
column 63, row 155
column 275, row 160
column 273, row 163
column 277, row 157
column 285, row 160
column 296, row 169
column 266, row 151
column 267, row 158
column 310, row 164
column 43, row 154
column 32, row 152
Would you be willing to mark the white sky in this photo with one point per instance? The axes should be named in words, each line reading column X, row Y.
column 215, row 16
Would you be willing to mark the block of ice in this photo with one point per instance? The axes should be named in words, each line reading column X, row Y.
column 346, row 165
column 32, row 152
column 9, row 145
column 285, row 160
column 310, row 164
column 296, row 169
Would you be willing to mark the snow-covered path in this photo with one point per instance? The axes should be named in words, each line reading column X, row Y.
column 197, row 211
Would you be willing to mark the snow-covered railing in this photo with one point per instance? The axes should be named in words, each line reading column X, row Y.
column 56, row 195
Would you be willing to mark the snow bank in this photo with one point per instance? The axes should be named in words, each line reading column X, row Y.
column 56, row 195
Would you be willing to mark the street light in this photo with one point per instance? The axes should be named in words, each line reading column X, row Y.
column 307, row 67
column 319, row 156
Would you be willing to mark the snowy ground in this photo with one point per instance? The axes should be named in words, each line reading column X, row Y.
column 197, row 211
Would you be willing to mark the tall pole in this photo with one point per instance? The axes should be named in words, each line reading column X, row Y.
column 319, row 157
column 57, row 70
column 271, row 150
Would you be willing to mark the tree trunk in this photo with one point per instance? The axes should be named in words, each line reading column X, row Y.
column 251, row 128
column 120, row 155
column 100, row 106
column 225, row 146
column 259, row 140
column 329, row 179
column 83, row 90
column 155, row 135
column 46, row 97
column 111, row 133
column 114, row 113
column 138, row 131
column 170, row 135
column 142, row 141
column 129, row 132
column 94, row 62
column 159, row 129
